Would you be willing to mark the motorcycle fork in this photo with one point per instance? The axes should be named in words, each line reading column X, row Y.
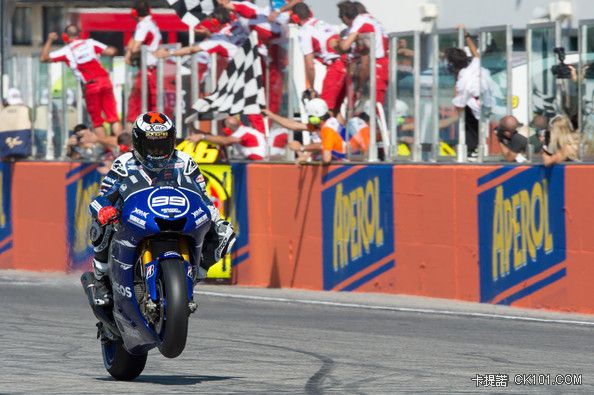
column 150, row 267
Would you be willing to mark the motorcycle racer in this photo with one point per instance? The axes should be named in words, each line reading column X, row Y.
column 154, row 157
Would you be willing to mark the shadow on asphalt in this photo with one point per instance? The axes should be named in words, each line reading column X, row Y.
column 172, row 379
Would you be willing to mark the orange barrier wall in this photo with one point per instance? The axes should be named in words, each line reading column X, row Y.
column 514, row 235
column 48, row 200
column 495, row 234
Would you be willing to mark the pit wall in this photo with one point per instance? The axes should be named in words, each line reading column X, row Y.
column 492, row 234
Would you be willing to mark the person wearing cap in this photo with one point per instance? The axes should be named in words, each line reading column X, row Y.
column 15, row 128
column 248, row 143
column 14, row 98
column 327, row 131
column 513, row 145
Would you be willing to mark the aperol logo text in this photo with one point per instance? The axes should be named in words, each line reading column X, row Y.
column 358, row 223
column 521, row 229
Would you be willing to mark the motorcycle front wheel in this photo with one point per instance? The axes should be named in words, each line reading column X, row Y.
column 172, row 292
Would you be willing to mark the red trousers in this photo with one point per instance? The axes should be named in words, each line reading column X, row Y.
column 101, row 101
column 335, row 84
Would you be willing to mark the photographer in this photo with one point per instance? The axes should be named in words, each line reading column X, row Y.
column 561, row 143
column 513, row 145
column 567, row 82
column 79, row 150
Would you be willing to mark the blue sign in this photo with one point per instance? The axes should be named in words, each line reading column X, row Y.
column 239, row 211
column 521, row 230
column 358, row 223
column 5, row 208
column 79, row 195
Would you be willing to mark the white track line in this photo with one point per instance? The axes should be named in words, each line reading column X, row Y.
column 400, row 309
column 46, row 282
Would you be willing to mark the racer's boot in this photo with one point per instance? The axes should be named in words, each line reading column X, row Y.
column 100, row 238
column 102, row 295
column 218, row 241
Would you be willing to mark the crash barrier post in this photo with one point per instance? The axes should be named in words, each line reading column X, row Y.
column 586, row 89
column 212, row 87
column 179, row 100
column 496, row 46
column 541, row 39
column 392, row 95
column 403, row 88
column 50, row 147
column 160, row 93
column 372, row 152
column 129, row 77
column 168, row 74
column 435, row 104
column 292, row 46
column 416, row 147
column 144, row 88
column 64, row 111
column 447, row 137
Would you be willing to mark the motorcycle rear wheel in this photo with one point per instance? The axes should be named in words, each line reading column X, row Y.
column 175, row 310
column 120, row 364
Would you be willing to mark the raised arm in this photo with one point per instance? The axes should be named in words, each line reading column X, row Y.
column 286, row 122
column 110, row 51
column 44, row 56
column 218, row 140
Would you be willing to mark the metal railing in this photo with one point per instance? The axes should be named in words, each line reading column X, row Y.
column 418, row 122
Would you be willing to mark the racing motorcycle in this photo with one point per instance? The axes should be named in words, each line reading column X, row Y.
column 153, row 268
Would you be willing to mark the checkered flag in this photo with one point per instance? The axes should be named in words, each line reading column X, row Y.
column 240, row 89
column 192, row 12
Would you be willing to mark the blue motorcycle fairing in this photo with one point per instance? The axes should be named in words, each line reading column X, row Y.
column 142, row 212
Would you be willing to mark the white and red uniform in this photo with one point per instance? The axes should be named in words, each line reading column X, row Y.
column 315, row 37
column 252, row 143
column 365, row 23
column 82, row 56
column 224, row 49
column 254, row 18
column 278, row 140
column 148, row 33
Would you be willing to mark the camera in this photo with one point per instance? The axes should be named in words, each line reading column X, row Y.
column 547, row 137
column 561, row 71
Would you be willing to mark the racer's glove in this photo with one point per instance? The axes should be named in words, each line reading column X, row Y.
column 107, row 215
column 217, row 243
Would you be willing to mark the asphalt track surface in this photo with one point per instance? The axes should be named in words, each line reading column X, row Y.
column 276, row 341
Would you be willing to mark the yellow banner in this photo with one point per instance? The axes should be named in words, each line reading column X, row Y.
column 219, row 187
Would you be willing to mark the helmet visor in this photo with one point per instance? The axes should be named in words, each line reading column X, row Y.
column 157, row 149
